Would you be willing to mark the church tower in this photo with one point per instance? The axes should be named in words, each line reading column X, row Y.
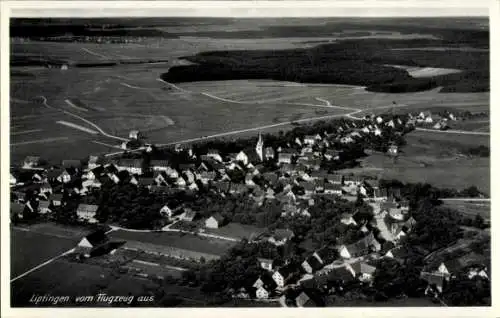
column 259, row 148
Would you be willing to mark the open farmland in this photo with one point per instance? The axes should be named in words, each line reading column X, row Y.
column 435, row 158
column 31, row 248
column 174, row 243
column 116, row 100
column 470, row 208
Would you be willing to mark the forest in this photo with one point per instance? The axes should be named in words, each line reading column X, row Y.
column 355, row 62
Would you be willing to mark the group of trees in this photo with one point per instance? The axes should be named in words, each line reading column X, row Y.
column 351, row 62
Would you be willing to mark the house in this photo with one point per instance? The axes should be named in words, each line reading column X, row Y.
column 285, row 158
column 242, row 157
column 338, row 277
column 206, row 176
column 353, row 180
column 309, row 187
column 309, row 140
column 215, row 221
column 264, row 285
column 56, row 199
column 44, row 207
column 334, row 178
column 147, row 182
column 31, row 162
column 13, row 180
column 332, row 154
column 133, row 166
column 333, row 189
column 363, row 270
column 188, row 176
column 269, row 153
column 214, row 154
column 94, row 173
column 91, row 242
column 319, row 185
column 134, row 135
column 171, row 173
column 166, row 211
column 435, row 282
column 266, row 263
column 222, row 187
column 362, row 247
column 159, row 165
column 188, row 215
column 45, row 187
column 75, row 164
column 93, row 162
column 281, row 236
column 392, row 150
column 312, row 264
column 380, row 194
column 64, row 177
column 180, row 182
column 284, row 275
column 87, row 212
column 347, row 219
column 305, row 300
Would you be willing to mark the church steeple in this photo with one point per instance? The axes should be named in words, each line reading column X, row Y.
column 259, row 148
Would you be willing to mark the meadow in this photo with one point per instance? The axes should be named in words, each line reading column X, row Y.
column 434, row 158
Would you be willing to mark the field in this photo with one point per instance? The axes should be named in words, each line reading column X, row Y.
column 434, row 158
column 30, row 247
column 470, row 209
column 162, row 241
column 65, row 276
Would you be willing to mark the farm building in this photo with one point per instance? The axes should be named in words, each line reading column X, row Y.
column 159, row 165
column 134, row 135
column 285, row 274
column 91, row 242
column 87, row 212
column 215, row 221
column 359, row 248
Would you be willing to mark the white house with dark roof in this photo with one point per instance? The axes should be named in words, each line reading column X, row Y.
column 133, row 166
column 215, row 221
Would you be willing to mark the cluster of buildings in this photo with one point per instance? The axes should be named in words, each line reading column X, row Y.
column 427, row 119
column 297, row 175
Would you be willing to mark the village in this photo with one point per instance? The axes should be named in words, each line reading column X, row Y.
column 294, row 172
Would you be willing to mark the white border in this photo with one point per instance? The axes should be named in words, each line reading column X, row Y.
column 369, row 8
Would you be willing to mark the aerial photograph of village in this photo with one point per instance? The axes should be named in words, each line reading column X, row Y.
column 250, row 162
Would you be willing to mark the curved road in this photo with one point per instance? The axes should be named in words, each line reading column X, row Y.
column 350, row 115
column 82, row 119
